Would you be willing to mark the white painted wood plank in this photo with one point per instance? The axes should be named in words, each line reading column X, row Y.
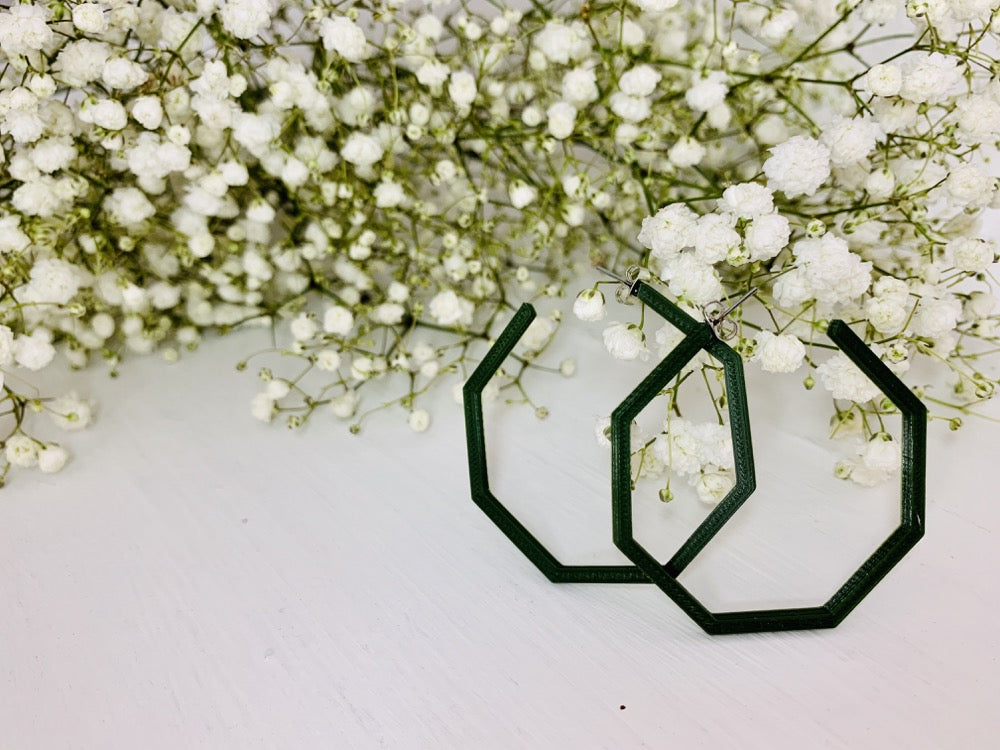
column 196, row 580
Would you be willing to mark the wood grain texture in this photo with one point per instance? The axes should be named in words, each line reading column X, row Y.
column 196, row 580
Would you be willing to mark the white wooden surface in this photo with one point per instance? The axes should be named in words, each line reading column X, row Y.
column 197, row 580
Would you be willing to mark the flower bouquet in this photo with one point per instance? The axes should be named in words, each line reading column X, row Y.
column 382, row 183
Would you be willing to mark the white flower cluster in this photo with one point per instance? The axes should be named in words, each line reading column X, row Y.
column 702, row 452
column 826, row 271
column 382, row 183
column 69, row 412
column 779, row 353
column 859, row 208
column 685, row 247
column 875, row 461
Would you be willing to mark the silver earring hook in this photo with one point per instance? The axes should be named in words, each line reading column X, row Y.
column 625, row 293
column 716, row 316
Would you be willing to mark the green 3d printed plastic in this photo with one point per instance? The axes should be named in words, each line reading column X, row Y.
column 892, row 550
column 534, row 550
column 701, row 335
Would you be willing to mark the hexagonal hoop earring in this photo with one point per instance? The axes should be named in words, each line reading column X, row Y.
column 524, row 540
column 702, row 336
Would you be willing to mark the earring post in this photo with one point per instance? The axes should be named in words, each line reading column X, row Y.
column 629, row 283
column 737, row 303
column 613, row 275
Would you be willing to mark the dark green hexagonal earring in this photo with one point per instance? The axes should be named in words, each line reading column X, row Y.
column 858, row 586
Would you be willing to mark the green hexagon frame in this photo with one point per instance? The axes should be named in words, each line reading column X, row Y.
column 850, row 594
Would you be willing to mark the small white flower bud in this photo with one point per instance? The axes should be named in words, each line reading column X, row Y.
column 419, row 420
column 344, row 405
column 52, row 458
column 884, row 79
column 589, row 305
column 624, row 340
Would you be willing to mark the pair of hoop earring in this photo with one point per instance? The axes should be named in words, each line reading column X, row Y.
column 706, row 335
